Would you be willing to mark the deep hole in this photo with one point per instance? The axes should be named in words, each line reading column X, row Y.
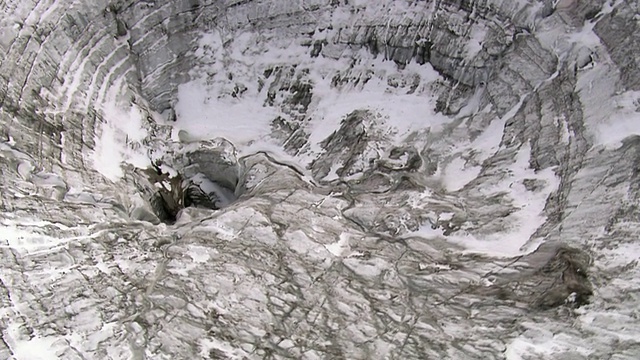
column 173, row 194
column 169, row 204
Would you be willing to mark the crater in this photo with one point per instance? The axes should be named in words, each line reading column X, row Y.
column 202, row 174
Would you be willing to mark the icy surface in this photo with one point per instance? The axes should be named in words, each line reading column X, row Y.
column 319, row 179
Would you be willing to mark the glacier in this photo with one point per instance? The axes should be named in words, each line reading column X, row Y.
column 319, row 179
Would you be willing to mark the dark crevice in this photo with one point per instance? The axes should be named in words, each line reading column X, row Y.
column 205, row 182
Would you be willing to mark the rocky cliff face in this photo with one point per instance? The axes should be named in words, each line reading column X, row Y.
column 319, row 179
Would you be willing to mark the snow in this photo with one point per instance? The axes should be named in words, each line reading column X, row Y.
column 211, row 343
column 402, row 113
column 609, row 5
column 19, row 239
column 224, row 195
column 206, row 109
column 434, row 267
column 446, row 216
column 489, row 141
column 624, row 122
column 202, row 113
column 340, row 247
column 371, row 268
column 107, row 158
column 474, row 102
column 299, row 242
column 516, row 238
column 333, row 172
column 586, row 36
column 522, row 349
column 609, row 122
column 457, row 174
column 530, row 216
column 35, row 348
column 199, row 254
column 405, row 113
column 478, row 34
column 123, row 125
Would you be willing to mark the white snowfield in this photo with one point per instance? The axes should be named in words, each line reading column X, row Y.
column 411, row 180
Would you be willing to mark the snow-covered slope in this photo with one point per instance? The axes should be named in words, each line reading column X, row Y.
column 319, row 179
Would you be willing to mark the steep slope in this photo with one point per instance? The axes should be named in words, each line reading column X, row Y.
column 319, row 179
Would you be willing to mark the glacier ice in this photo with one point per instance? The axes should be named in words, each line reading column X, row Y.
column 319, row 179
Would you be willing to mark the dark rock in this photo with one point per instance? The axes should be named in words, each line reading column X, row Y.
column 121, row 28
column 344, row 146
